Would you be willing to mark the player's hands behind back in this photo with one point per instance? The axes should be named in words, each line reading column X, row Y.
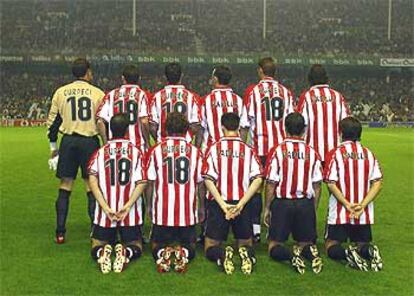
column 111, row 214
column 122, row 213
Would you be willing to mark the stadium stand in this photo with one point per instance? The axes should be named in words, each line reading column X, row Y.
column 327, row 27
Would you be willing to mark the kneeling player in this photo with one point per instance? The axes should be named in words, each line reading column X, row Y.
column 116, row 179
column 174, row 165
column 293, row 175
column 354, row 179
column 229, row 167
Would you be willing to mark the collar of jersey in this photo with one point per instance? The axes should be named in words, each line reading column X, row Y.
column 319, row 85
column 175, row 85
column 81, row 80
column 349, row 141
column 175, row 138
column 130, row 84
column 267, row 78
column 232, row 138
column 220, row 88
column 294, row 139
column 118, row 140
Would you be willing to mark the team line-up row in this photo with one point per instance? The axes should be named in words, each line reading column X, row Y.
column 293, row 150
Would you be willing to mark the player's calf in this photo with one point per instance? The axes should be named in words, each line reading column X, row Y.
column 223, row 258
column 62, row 208
column 280, row 253
column 256, row 211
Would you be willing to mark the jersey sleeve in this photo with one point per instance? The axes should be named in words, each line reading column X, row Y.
column 209, row 168
column 93, row 164
column 194, row 115
column 143, row 110
column 103, row 111
column 244, row 120
column 291, row 103
column 317, row 175
column 151, row 172
column 54, row 119
column 345, row 109
column 203, row 113
column 199, row 176
column 331, row 173
column 256, row 169
column 154, row 112
column 301, row 108
column 272, row 169
column 139, row 173
column 376, row 173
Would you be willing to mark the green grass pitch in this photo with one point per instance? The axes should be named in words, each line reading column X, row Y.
column 31, row 263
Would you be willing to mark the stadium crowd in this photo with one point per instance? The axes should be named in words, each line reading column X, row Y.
column 327, row 27
column 371, row 98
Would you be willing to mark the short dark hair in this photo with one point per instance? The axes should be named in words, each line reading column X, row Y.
column 295, row 124
column 79, row 67
column 119, row 124
column 231, row 121
column 268, row 66
column 173, row 72
column 176, row 123
column 223, row 74
column 317, row 75
column 351, row 129
column 131, row 74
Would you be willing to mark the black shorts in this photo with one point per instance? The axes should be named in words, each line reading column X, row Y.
column 126, row 233
column 293, row 216
column 74, row 152
column 168, row 234
column 343, row 232
column 218, row 227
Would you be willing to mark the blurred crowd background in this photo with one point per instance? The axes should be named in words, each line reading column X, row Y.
column 316, row 28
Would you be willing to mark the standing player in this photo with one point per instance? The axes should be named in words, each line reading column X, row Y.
column 73, row 113
column 117, row 180
column 354, row 179
column 323, row 108
column 268, row 103
column 294, row 175
column 232, row 174
column 174, row 97
column 129, row 98
column 221, row 100
column 174, row 166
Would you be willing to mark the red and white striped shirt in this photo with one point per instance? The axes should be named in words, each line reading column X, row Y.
column 294, row 167
column 232, row 164
column 175, row 166
column 268, row 103
column 133, row 101
column 214, row 105
column 118, row 167
column 352, row 167
column 174, row 98
column 323, row 108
